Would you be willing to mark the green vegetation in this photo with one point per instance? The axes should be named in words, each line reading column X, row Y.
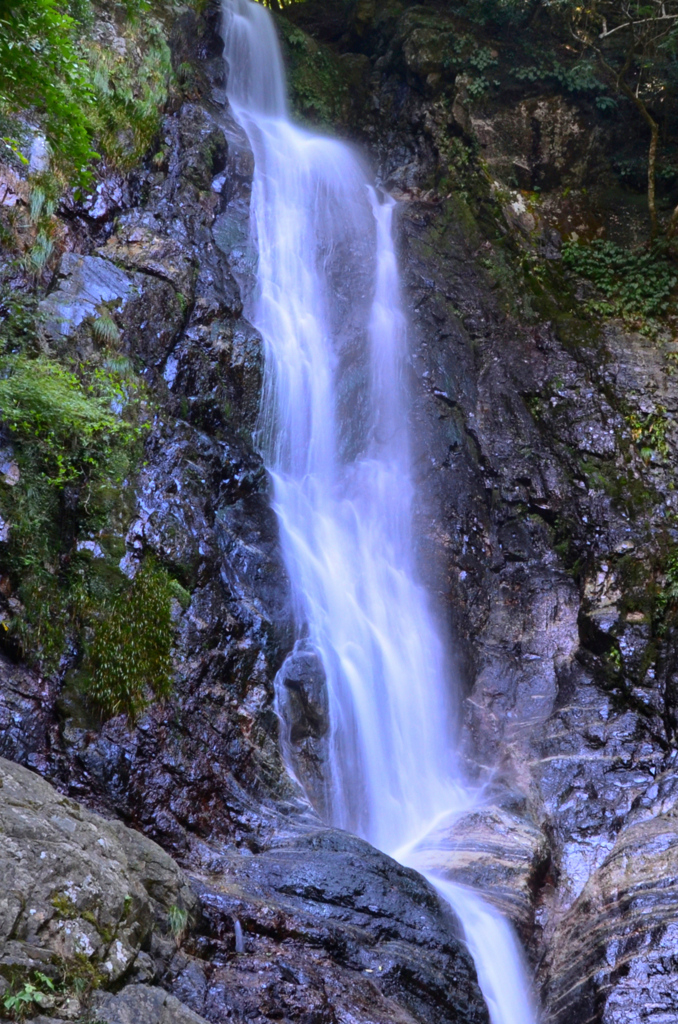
column 66, row 421
column 85, row 96
column 41, row 67
column 73, row 435
column 317, row 88
column 22, row 1000
column 130, row 92
column 649, row 433
column 131, row 651
column 634, row 45
column 31, row 991
column 178, row 922
column 634, row 283
column 667, row 598
column 64, row 906
column 581, row 77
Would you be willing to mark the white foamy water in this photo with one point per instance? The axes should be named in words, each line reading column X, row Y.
column 335, row 436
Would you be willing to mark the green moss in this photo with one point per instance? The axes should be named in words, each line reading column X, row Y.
column 180, row 593
column 64, row 906
column 130, row 658
column 74, row 442
column 318, row 89
column 79, row 975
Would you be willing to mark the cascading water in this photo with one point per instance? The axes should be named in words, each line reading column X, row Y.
column 334, row 432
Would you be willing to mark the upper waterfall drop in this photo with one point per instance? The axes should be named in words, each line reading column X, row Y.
column 334, row 434
column 335, row 437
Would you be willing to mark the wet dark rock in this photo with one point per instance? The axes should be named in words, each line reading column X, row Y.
column 84, row 285
column 567, row 700
column 26, row 712
column 501, row 851
column 331, row 927
column 304, row 710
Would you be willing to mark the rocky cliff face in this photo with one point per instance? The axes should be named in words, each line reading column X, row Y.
column 546, row 523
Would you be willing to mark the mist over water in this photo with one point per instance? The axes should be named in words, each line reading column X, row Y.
column 334, row 433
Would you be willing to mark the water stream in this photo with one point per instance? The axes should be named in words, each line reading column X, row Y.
column 334, row 433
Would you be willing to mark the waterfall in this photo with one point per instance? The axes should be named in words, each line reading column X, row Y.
column 334, row 433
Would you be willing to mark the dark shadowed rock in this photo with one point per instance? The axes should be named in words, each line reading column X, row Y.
column 331, row 928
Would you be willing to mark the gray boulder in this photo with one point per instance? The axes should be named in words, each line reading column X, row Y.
column 81, row 895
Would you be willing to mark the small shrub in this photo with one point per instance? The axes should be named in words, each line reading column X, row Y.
column 70, row 425
column 178, row 922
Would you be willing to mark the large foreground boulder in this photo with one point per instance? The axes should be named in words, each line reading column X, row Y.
column 82, row 898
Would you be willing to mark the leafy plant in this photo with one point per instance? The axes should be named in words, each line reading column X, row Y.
column 634, row 282
column 131, row 651
column 20, row 1002
column 477, row 86
column 649, row 432
column 581, row 77
column 70, row 425
column 483, row 59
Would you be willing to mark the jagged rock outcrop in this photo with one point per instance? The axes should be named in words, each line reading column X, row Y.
column 615, row 949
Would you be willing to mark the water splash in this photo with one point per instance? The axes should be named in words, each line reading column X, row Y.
column 335, row 436
column 498, row 960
